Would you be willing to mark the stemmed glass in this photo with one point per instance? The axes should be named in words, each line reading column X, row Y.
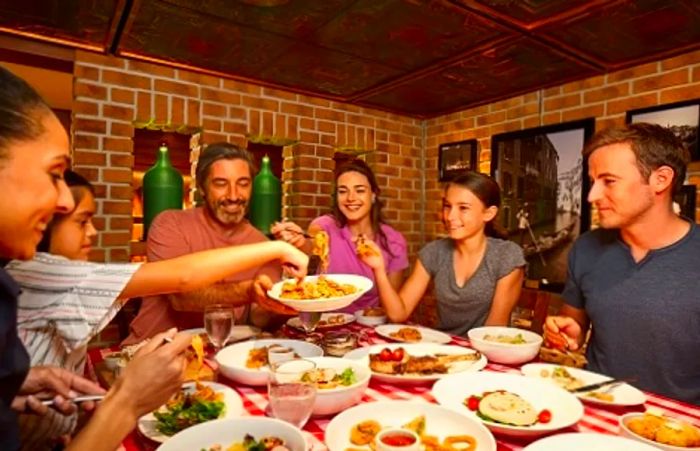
column 218, row 322
column 291, row 399
column 309, row 320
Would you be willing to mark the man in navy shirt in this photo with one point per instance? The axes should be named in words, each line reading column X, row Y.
column 636, row 280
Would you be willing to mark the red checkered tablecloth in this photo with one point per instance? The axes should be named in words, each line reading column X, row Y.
column 595, row 419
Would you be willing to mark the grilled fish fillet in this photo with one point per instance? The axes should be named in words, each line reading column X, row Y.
column 428, row 364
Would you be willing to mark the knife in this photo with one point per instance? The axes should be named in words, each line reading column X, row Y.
column 598, row 385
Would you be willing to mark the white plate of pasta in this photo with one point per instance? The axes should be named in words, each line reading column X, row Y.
column 320, row 293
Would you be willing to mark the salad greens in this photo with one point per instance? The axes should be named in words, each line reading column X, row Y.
column 347, row 377
column 187, row 412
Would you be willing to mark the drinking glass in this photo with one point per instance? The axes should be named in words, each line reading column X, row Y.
column 218, row 322
column 291, row 400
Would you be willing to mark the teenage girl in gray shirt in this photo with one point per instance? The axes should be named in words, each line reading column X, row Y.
column 478, row 275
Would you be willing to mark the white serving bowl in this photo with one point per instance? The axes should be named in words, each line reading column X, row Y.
column 626, row 432
column 334, row 400
column 565, row 408
column 371, row 321
column 362, row 283
column 439, row 421
column 232, row 359
column 511, row 354
column 230, row 430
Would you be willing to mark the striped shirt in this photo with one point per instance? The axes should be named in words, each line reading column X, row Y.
column 63, row 304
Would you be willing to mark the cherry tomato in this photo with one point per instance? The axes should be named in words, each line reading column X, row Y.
column 545, row 416
column 385, row 355
column 397, row 354
column 473, row 403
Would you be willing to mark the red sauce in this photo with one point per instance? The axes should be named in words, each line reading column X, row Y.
column 398, row 440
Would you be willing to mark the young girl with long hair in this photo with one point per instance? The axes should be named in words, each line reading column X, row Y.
column 477, row 274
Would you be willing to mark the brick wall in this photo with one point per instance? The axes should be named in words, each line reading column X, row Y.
column 110, row 94
column 607, row 98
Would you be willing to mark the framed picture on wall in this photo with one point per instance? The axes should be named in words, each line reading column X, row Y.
column 456, row 158
column 681, row 117
column 544, row 183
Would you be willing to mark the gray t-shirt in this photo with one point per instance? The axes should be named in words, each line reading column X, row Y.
column 463, row 308
column 645, row 315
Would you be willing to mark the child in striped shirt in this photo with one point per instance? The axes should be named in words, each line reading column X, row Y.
column 67, row 300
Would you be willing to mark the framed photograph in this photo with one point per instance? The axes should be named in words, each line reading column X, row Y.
column 457, row 158
column 544, row 183
column 681, row 117
column 684, row 201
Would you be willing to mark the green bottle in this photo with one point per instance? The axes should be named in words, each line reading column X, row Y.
column 266, row 200
column 162, row 188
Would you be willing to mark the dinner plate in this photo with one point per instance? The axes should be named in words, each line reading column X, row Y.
column 418, row 349
column 439, row 422
column 226, row 432
column 452, row 391
column 238, row 333
column 623, row 394
column 233, row 408
column 427, row 335
column 363, row 284
column 327, row 321
column 577, row 441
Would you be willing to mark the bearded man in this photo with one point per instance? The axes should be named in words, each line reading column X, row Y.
column 224, row 179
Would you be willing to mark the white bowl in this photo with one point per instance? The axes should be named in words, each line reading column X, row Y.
column 232, row 359
column 439, row 421
column 362, row 283
column 626, row 432
column 230, row 430
column 369, row 320
column 511, row 354
column 334, row 400
column 581, row 441
column 566, row 409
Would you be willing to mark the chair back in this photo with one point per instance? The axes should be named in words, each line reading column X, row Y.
column 538, row 302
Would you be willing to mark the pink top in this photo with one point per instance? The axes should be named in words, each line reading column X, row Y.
column 177, row 232
column 344, row 260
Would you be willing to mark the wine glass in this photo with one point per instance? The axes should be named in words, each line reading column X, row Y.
column 291, row 399
column 309, row 321
column 218, row 322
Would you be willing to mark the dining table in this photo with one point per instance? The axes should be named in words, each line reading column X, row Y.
column 596, row 418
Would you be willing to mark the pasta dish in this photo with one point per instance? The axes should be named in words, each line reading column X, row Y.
column 322, row 288
column 363, row 249
column 321, row 248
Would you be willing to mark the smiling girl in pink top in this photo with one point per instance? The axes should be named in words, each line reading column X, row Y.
column 357, row 210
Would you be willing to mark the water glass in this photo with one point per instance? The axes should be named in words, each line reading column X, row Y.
column 291, row 400
column 218, row 322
